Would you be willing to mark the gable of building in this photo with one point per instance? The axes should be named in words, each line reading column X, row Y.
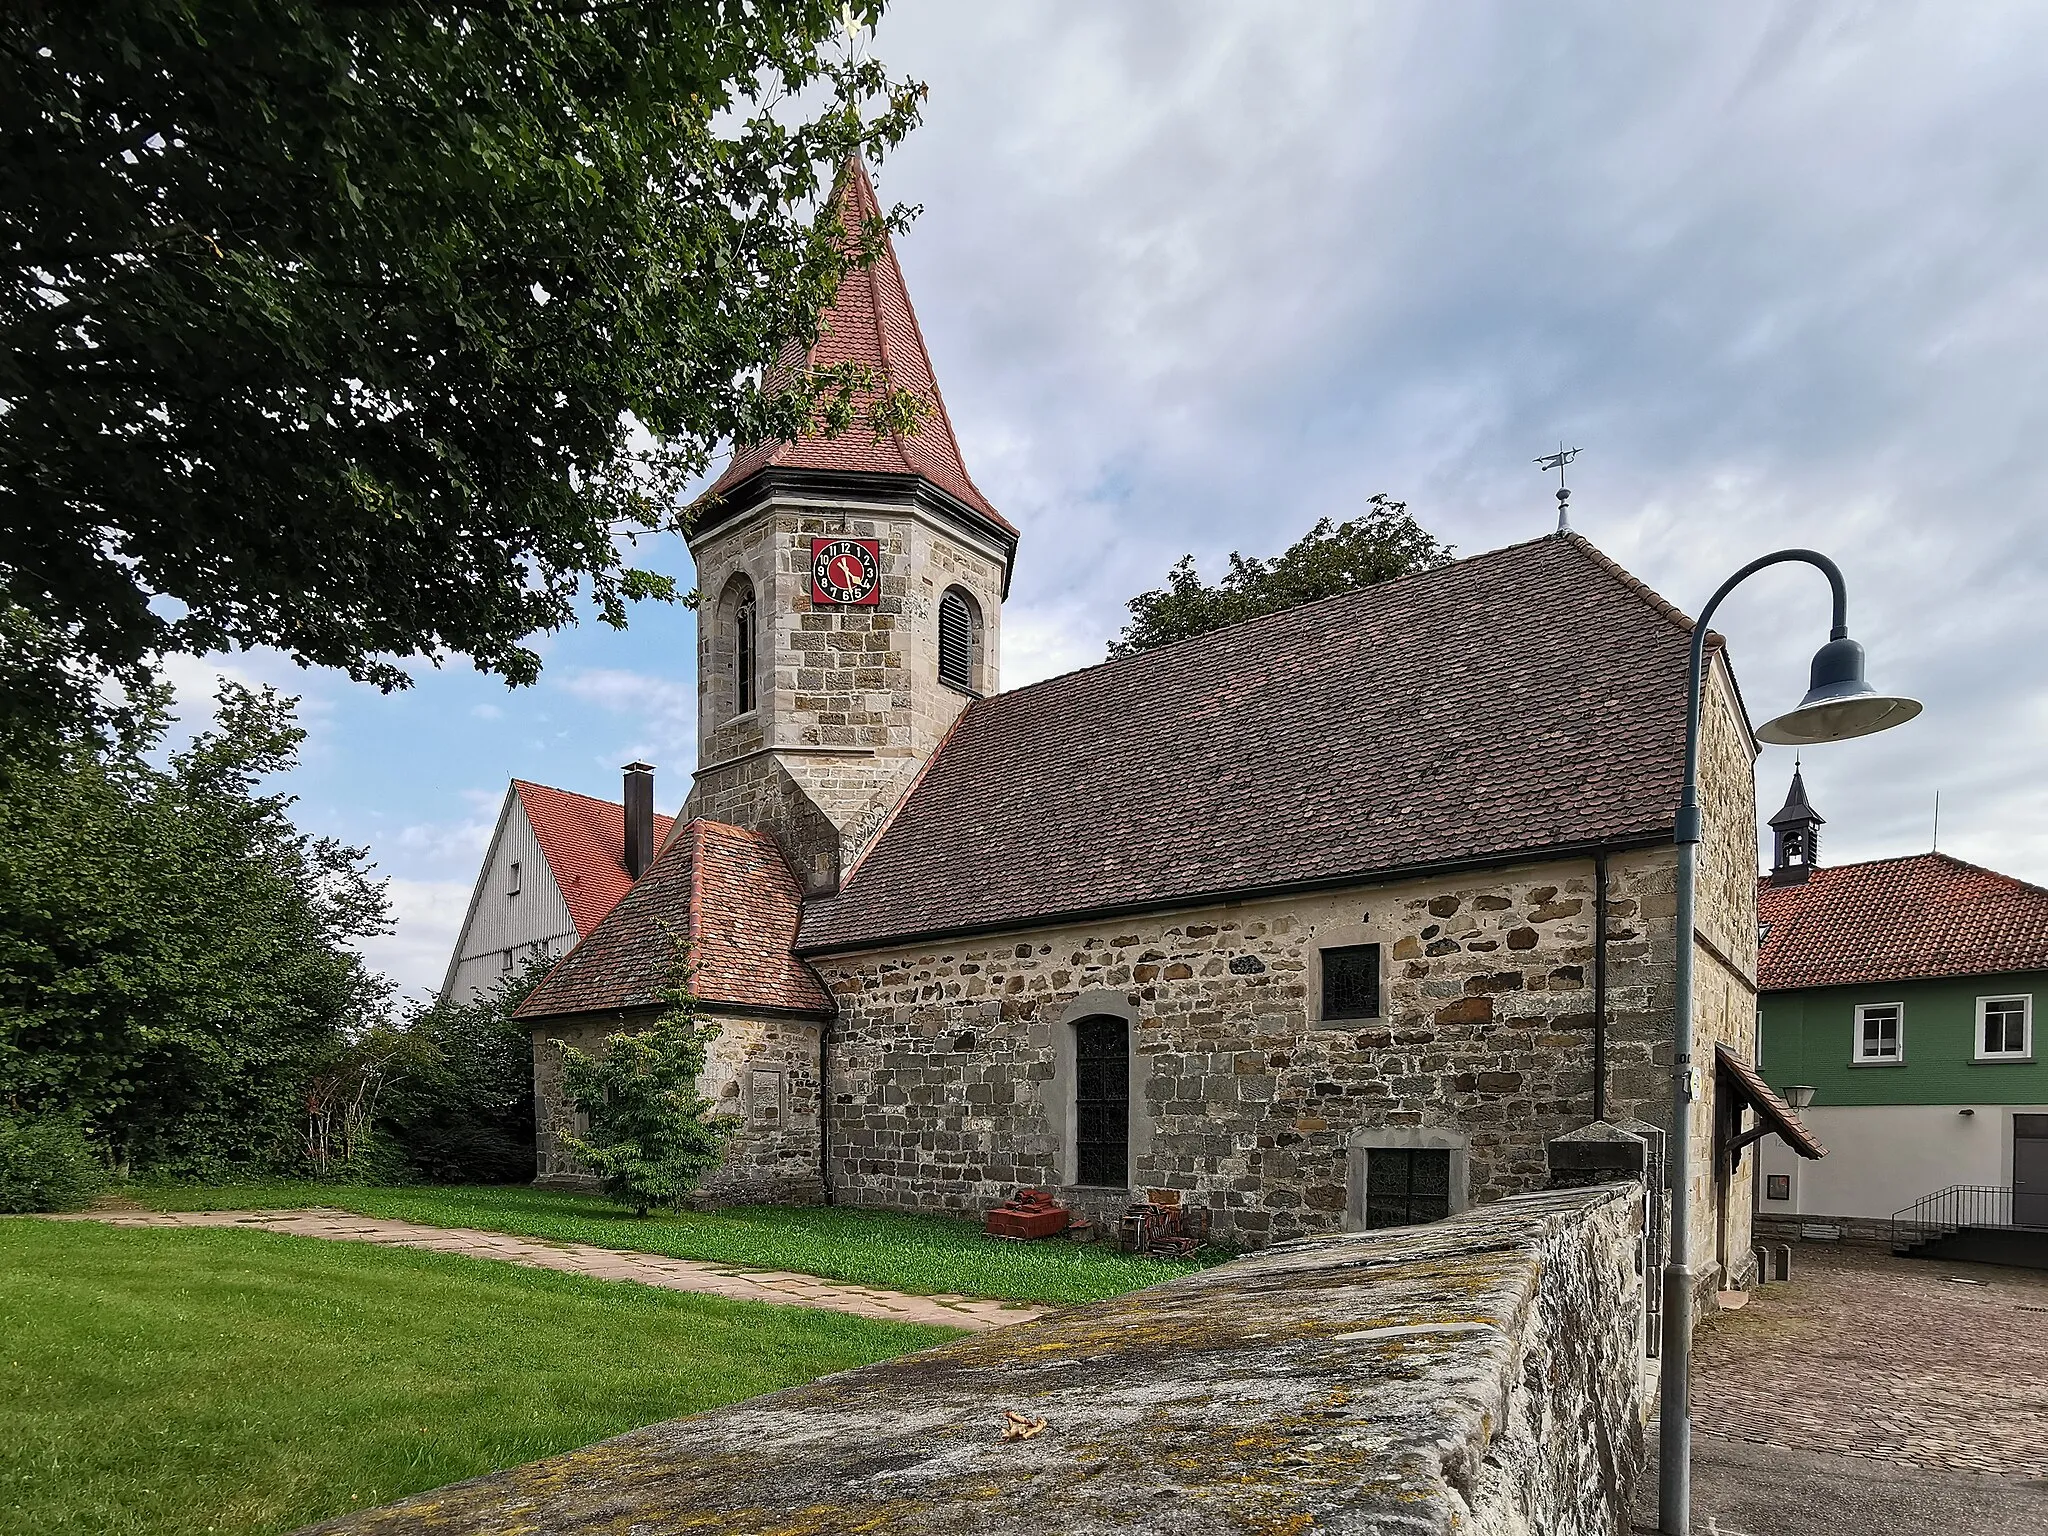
column 584, row 842
column 1514, row 705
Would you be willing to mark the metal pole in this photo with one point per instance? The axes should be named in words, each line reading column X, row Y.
column 1674, row 1411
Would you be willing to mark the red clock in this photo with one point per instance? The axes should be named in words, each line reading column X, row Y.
column 846, row 573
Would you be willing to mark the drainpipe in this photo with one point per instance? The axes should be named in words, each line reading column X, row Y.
column 1600, row 984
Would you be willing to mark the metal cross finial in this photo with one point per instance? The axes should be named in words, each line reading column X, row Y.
column 1557, row 461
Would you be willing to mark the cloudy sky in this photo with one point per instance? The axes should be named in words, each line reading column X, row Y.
column 1194, row 275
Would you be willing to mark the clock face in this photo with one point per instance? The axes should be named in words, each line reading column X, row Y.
column 846, row 572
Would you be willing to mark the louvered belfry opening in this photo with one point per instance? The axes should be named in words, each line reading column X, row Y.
column 956, row 642
column 1102, row 1102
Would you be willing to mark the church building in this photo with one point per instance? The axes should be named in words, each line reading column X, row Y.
column 1326, row 921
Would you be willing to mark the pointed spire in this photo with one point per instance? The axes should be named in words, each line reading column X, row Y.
column 1795, row 834
column 871, row 321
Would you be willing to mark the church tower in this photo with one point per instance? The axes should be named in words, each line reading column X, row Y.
column 851, row 593
column 1795, row 836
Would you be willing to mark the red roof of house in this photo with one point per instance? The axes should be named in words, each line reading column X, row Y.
column 1519, row 702
column 720, row 896
column 870, row 321
column 584, row 842
column 1898, row 920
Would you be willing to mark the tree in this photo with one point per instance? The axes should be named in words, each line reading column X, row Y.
column 461, row 1109
column 1330, row 558
column 373, row 332
column 652, row 1134
column 174, row 952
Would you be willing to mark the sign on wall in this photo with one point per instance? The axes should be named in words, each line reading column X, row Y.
column 846, row 573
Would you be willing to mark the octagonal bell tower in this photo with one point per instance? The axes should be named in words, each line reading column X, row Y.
column 851, row 598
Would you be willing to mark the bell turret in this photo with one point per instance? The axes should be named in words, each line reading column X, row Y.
column 1795, row 835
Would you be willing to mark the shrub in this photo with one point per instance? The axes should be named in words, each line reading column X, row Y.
column 652, row 1135
column 47, row 1164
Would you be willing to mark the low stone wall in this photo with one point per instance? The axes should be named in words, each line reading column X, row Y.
column 1478, row 1376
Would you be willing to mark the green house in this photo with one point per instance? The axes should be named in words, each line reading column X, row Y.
column 1902, row 993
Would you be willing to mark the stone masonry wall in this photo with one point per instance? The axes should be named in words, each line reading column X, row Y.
column 947, row 1059
column 849, row 699
column 1478, row 1377
column 762, row 1071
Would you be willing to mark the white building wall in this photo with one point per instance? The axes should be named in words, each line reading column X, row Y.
column 1881, row 1158
column 500, row 920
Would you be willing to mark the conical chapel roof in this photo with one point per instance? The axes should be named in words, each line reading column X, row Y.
column 1796, row 811
column 871, row 321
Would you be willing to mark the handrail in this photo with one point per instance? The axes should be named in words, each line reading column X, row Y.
column 1951, row 1209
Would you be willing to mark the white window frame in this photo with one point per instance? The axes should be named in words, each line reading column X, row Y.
column 1858, row 1057
column 2026, row 1050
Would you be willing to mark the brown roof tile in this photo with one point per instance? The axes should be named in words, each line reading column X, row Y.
column 1898, row 920
column 724, row 891
column 1770, row 1109
column 1519, row 701
column 870, row 321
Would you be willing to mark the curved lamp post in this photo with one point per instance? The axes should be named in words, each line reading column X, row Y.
column 1839, row 704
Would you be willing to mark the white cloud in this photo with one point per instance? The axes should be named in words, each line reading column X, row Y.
column 663, row 711
column 427, row 915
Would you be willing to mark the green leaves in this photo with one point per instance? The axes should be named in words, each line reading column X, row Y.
column 652, row 1136
column 269, row 341
column 174, row 959
column 1328, row 559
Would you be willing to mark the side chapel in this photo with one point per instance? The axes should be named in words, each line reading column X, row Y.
column 1321, row 922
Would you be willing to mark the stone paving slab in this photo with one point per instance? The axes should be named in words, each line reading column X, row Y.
column 1915, row 1362
column 736, row 1282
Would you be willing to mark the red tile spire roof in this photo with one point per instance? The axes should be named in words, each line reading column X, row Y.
column 870, row 321
column 584, row 842
column 1898, row 920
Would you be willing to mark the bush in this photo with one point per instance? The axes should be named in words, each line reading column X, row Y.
column 652, row 1135
column 47, row 1165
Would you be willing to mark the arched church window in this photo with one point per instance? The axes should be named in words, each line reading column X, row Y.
column 956, row 640
column 743, row 620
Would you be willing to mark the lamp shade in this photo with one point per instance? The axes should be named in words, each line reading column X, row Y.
column 1799, row 1095
column 1839, row 704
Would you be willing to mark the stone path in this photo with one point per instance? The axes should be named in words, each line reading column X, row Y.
column 1915, row 1362
column 729, row 1280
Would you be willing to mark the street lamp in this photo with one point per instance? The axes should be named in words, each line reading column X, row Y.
column 1839, row 704
column 1799, row 1095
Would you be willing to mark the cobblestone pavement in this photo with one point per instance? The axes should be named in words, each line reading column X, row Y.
column 707, row 1279
column 1910, row 1361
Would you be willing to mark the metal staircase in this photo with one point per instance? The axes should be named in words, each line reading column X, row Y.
column 1971, row 1222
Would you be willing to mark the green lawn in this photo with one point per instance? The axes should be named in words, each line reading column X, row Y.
column 182, row 1382
column 926, row 1254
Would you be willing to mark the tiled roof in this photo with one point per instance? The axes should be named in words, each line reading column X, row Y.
column 584, row 842
column 727, row 895
column 1898, row 920
column 870, row 321
column 1519, row 701
column 1770, row 1109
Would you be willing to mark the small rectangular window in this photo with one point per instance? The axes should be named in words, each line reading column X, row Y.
column 2005, row 1028
column 1351, row 983
column 512, row 879
column 1880, row 1034
column 505, row 960
column 1404, row 1186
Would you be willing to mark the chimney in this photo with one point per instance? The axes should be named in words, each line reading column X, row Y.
column 639, row 818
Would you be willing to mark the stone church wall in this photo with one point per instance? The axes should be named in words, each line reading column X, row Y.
column 952, row 1062
column 947, row 1059
column 762, row 1071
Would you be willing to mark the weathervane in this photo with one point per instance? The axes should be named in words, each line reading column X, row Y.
column 1557, row 461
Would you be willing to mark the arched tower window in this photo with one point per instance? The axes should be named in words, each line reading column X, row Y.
column 959, row 627
column 743, row 650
